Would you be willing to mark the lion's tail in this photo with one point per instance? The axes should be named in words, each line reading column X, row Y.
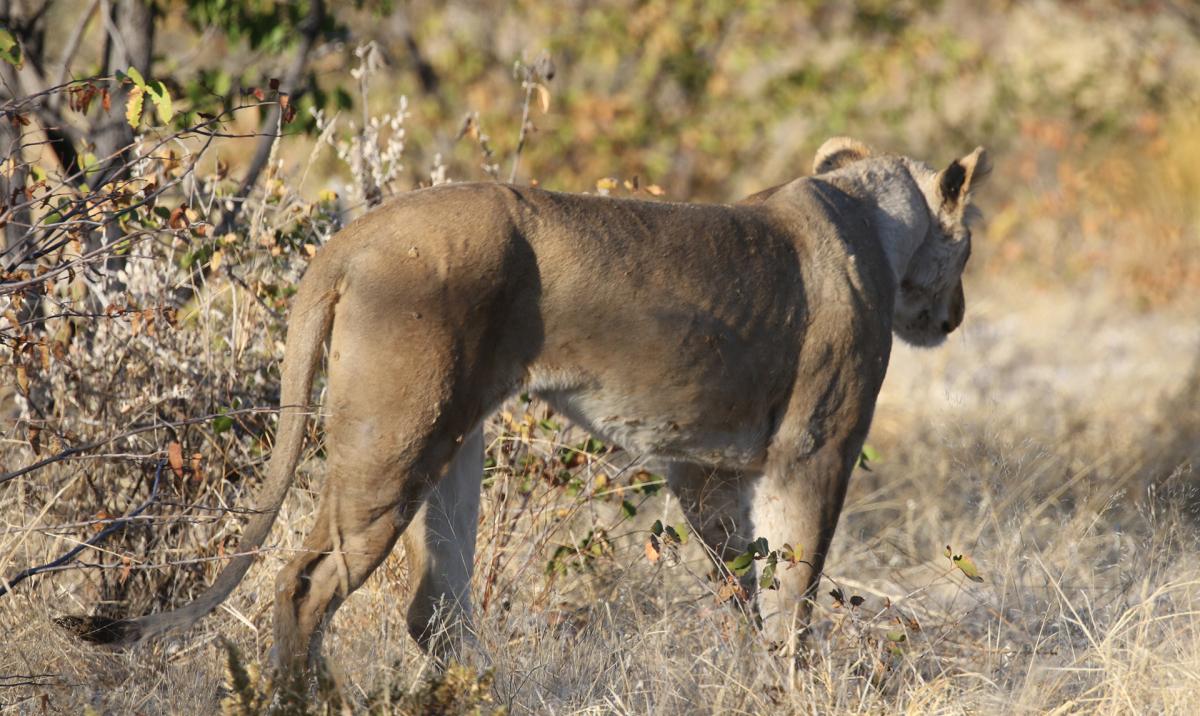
column 312, row 319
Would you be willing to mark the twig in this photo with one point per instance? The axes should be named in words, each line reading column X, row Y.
column 70, row 453
column 8, row 681
column 372, row 193
column 82, row 205
column 529, row 85
column 7, row 585
column 542, row 70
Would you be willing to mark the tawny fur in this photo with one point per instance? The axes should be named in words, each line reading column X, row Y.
column 744, row 344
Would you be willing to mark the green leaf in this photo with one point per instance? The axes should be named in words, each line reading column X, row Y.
column 897, row 636
column 549, row 425
column 162, row 102
column 10, row 49
column 647, row 483
column 740, row 564
column 133, row 110
column 867, row 456
column 767, row 579
column 759, row 547
column 88, row 163
column 791, row 554
column 628, row 509
column 681, row 533
column 222, row 423
column 591, row 446
column 133, row 74
column 656, row 529
column 965, row 564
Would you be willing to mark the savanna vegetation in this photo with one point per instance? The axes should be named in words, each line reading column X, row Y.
column 1019, row 536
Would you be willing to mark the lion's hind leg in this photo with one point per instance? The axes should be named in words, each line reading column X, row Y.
column 439, row 549
column 394, row 425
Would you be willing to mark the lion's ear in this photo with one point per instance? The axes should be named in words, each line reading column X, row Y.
column 958, row 179
column 837, row 152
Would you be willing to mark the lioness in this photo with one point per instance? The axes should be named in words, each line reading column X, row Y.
column 743, row 344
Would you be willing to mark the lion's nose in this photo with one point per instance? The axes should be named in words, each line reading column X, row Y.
column 947, row 327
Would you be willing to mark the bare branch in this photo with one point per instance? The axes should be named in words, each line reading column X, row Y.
column 71, row 452
column 6, row 585
column 73, row 42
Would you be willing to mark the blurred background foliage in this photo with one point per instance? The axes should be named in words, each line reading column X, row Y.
column 1089, row 107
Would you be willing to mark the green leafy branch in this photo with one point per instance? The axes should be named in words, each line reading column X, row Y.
column 665, row 538
column 155, row 90
column 759, row 550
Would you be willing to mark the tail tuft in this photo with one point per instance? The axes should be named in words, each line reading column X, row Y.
column 101, row 630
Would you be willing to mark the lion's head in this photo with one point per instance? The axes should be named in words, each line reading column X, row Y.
column 929, row 299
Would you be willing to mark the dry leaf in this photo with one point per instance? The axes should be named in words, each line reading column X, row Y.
column 179, row 219
column 133, row 110
column 175, row 458
column 655, row 190
column 653, row 551
column 543, row 96
column 22, row 380
column 730, row 589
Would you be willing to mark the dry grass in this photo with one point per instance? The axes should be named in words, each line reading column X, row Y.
column 1067, row 478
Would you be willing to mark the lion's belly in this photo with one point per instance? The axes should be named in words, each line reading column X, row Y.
column 705, row 436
